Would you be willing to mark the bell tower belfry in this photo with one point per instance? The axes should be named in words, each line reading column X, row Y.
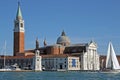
column 18, row 32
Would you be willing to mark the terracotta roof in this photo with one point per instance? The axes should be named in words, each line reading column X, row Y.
column 31, row 50
column 15, row 57
column 57, row 56
column 75, row 45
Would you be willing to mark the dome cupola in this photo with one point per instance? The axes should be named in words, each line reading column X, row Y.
column 63, row 39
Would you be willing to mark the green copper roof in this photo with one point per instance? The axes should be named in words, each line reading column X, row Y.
column 19, row 14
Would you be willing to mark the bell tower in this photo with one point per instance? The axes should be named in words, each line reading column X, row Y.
column 18, row 32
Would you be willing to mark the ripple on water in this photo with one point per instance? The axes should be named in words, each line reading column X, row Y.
column 58, row 76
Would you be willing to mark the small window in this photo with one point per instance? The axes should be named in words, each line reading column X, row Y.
column 65, row 66
column 37, row 59
column 21, row 24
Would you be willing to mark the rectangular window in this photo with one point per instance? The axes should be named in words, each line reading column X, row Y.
column 21, row 24
column 65, row 66
column 73, row 63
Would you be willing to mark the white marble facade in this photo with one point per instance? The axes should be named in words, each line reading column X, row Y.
column 61, row 63
column 90, row 58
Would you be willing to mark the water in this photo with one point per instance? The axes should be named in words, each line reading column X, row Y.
column 58, row 76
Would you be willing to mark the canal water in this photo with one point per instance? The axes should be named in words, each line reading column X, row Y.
column 71, row 75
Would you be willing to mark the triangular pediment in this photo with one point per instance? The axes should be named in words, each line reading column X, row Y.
column 92, row 44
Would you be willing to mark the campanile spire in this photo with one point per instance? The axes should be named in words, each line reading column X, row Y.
column 18, row 32
column 19, row 13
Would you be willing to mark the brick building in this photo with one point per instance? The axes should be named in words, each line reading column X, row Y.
column 87, row 52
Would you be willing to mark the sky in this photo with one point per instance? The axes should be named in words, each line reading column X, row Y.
column 82, row 21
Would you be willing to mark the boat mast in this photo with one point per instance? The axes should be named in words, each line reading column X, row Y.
column 4, row 53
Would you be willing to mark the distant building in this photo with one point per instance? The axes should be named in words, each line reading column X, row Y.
column 18, row 32
column 90, row 58
column 62, row 55
column 37, row 61
column 24, row 62
column 60, row 62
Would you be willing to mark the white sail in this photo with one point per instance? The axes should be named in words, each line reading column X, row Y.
column 111, row 61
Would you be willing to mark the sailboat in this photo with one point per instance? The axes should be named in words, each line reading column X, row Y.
column 112, row 63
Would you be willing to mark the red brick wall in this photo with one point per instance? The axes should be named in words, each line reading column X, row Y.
column 18, row 42
column 54, row 50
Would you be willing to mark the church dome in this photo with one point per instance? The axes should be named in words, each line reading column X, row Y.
column 63, row 39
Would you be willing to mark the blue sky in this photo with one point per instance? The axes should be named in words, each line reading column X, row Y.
column 82, row 20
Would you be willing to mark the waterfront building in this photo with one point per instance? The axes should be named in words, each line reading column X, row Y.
column 62, row 55
column 24, row 62
column 60, row 62
column 37, row 61
column 90, row 57
column 87, row 52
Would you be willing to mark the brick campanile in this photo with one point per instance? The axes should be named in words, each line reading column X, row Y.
column 18, row 32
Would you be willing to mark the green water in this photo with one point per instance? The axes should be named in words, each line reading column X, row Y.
column 58, row 76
